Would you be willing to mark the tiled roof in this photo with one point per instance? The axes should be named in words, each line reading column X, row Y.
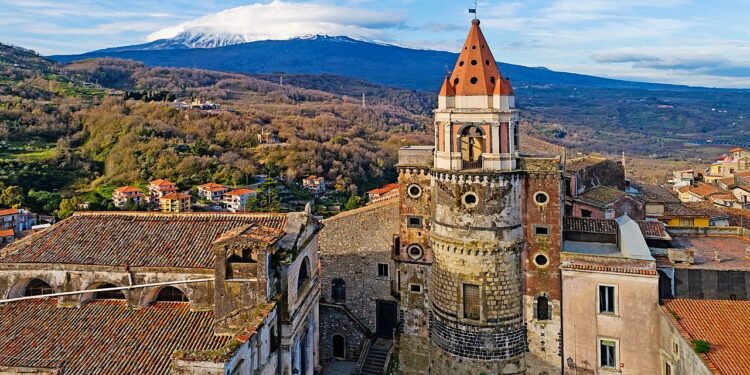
column 615, row 269
column 732, row 252
column 240, row 192
column 601, row 196
column 384, row 189
column 211, row 186
column 681, row 210
column 577, row 164
column 724, row 324
column 589, row 225
column 135, row 239
column 656, row 194
column 102, row 337
column 161, row 182
column 7, row 233
column 172, row 196
column 704, row 190
column 649, row 229
column 729, row 181
column 8, row 211
column 737, row 149
column 128, row 189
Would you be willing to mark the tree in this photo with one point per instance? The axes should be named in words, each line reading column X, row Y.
column 12, row 196
column 41, row 201
column 68, row 207
column 267, row 197
column 355, row 201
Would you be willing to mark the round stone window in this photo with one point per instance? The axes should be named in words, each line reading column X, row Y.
column 470, row 200
column 541, row 260
column 414, row 191
column 541, row 198
column 415, row 252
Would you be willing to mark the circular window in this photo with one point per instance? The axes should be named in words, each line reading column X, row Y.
column 541, row 198
column 474, row 80
column 541, row 260
column 414, row 191
column 473, row 62
column 460, row 63
column 492, row 80
column 470, row 200
column 473, row 47
column 415, row 252
column 486, row 62
column 455, row 81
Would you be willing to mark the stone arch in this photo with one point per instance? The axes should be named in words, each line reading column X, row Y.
column 156, row 294
column 471, row 140
column 90, row 295
column 22, row 288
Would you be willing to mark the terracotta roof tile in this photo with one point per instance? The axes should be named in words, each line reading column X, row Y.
column 652, row 193
column 704, row 190
column 615, row 269
column 476, row 71
column 724, row 324
column 7, row 233
column 128, row 189
column 176, row 196
column 649, row 229
column 576, row 164
column 240, row 192
column 384, row 189
column 161, row 182
column 8, row 211
column 601, row 196
column 211, row 186
column 681, row 210
column 102, row 336
column 135, row 239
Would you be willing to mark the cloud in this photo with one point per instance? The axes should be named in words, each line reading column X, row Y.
column 282, row 20
column 437, row 27
column 707, row 65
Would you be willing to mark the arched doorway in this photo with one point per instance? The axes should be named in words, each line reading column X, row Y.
column 339, row 347
column 472, row 146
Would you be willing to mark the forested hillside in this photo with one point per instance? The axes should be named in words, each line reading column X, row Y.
column 69, row 137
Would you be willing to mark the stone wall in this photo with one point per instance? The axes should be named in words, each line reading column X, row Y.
column 335, row 320
column 676, row 350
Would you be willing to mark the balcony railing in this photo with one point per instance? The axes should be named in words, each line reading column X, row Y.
column 476, row 164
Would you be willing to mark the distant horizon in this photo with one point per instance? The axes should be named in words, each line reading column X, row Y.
column 681, row 42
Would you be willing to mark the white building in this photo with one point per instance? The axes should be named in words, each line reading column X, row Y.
column 236, row 200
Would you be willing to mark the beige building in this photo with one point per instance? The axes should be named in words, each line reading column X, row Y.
column 159, row 188
column 175, row 202
column 122, row 195
column 610, row 299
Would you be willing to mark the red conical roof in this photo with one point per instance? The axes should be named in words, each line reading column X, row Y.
column 476, row 72
column 447, row 89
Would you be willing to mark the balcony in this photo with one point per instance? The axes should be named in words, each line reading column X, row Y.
column 474, row 164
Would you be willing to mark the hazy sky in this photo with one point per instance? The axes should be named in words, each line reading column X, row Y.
column 692, row 42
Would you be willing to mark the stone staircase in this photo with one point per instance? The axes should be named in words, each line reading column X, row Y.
column 374, row 363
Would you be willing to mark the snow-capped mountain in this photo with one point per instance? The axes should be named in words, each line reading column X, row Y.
column 191, row 39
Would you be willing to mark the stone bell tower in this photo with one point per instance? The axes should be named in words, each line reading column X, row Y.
column 476, row 226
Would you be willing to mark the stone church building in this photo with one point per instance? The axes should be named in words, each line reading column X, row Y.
column 459, row 271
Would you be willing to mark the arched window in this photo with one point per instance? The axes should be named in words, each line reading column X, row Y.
column 339, row 347
column 542, row 308
column 171, row 294
column 37, row 287
column 338, row 290
column 304, row 273
column 108, row 294
column 472, row 147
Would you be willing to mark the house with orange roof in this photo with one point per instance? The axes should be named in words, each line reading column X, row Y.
column 175, row 202
column 158, row 188
column 375, row 194
column 16, row 219
column 122, row 195
column 7, row 236
column 212, row 191
column 698, row 192
column 236, row 200
column 314, row 184
column 704, row 337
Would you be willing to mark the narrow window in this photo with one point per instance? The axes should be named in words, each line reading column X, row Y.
column 542, row 308
column 667, row 368
column 304, row 273
column 396, row 245
column 415, row 288
column 338, row 290
column 585, row 213
column 339, row 347
column 606, row 299
column 382, row 270
column 471, row 301
column 607, row 353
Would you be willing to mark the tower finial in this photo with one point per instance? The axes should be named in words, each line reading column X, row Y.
column 474, row 11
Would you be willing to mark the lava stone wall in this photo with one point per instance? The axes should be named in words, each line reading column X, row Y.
column 335, row 321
